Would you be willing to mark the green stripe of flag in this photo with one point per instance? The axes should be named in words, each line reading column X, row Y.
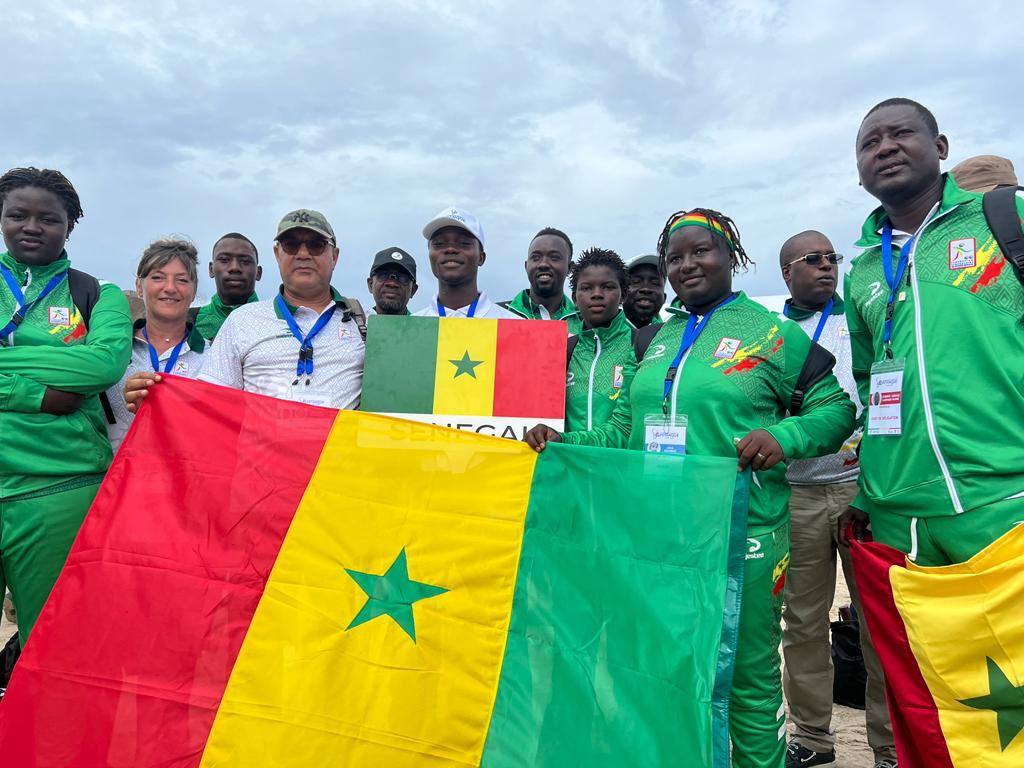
column 615, row 643
column 404, row 353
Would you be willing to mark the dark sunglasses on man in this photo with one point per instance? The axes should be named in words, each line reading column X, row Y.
column 314, row 245
column 814, row 258
column 394, row 275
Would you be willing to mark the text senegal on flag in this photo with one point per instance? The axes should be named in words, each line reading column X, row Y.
column 265, row 583
column 494, row 377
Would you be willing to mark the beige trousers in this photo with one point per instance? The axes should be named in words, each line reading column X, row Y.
column 806, row 645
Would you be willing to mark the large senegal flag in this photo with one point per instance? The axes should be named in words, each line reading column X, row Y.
column 495, row 377
column 951, row 642
column 264, row 583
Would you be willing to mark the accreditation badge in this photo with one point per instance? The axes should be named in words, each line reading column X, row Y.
column 885, row 402
column 662, row 435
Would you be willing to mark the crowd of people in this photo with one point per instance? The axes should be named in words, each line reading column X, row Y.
column 891, row 408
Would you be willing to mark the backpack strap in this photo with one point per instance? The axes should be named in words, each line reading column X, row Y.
column 642, row 338
column 1000, row 206
column 570, row 347
column 85, row 292
column 818, row 364
column 354, row 311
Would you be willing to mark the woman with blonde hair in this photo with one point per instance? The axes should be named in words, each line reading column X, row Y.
column 163, row 341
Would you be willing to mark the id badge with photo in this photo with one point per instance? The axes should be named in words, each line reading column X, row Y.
column 662, row 435
column 885, row 403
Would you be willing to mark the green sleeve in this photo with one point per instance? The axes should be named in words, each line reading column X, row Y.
column 18, row 393
column 86, row 369
column 861, row 344
column 827, row 416
column 614, row 433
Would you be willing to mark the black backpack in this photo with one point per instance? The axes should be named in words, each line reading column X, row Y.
column 1002, row 217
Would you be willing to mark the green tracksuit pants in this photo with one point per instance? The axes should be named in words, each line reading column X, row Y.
column 757, row 717
column 950, row 539
column 36, row 533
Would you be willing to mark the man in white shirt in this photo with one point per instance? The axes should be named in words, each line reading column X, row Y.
column 455, row 246
column 307, row 343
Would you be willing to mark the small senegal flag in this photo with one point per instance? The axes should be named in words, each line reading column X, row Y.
column 495, row 377
column 951, row 642
column 307, row 587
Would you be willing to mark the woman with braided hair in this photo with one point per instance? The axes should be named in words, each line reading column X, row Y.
column 726, row 377
column 58, row 352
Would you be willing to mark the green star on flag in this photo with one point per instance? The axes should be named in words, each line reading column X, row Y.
column 1006, row 700
column 465, row 365
column 391, row 594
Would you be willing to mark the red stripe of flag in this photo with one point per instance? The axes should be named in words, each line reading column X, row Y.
column 174, row 642
column 529, row 377
column 920, row 742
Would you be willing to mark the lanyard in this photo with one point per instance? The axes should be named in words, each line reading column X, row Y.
column 23, row 307
column 305, row 364
column 893, row 279
column 690, row 335
column 821, row 322
column 469, row 313
column 154, row 358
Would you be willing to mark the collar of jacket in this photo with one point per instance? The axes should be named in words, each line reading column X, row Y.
column 193, row 339
column 339, row 301
column 952, row 196
column 222, row 309
column 676, row 309
column 524, row 306
column 799, row 313
column 41, row 272
column 617, row 327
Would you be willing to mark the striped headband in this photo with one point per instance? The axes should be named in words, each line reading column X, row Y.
column 696, row 219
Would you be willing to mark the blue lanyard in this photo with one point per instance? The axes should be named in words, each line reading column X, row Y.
column 892, row 279
column 469, row 313
column 821, row 322
column 24, row 308
column 305, row 364
column 154, row 358
column 690, row 335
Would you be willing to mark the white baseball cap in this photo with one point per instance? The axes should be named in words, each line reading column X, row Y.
column 641, row 260
column 455, row 217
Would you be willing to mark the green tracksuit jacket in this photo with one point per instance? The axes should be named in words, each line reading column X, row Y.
column 738, row 376
column 959, row 329
column 523, row 306
column 602, row 365
column 52, row 349
column 211, row 316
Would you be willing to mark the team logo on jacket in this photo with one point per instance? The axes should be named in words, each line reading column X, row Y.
column 727, row 348
column 60, row 316
column 617, row 377
column 963, row 253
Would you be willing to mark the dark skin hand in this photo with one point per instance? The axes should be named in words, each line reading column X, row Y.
column 137, row 387
column 859, row 519
column 57, row 402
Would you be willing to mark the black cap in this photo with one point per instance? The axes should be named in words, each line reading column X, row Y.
column 394, row 257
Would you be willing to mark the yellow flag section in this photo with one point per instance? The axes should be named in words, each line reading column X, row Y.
column 381, row 631
column 965, row 630
column 464, row 375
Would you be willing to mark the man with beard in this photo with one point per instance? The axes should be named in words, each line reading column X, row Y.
column 392, row 282
column 547, row 264
column 645, row 293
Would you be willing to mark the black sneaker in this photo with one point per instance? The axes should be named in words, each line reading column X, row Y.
column 799, row 756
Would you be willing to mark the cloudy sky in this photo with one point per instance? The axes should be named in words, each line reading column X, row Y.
column 600, row 118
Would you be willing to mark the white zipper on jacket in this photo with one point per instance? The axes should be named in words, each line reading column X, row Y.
column 590, row 386
column 929, row 419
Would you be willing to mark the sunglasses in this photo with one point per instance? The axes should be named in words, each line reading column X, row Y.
column 815, row 258
column 314, row 246
column 397, row 276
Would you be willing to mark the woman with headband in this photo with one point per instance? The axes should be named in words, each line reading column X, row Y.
column 727, row 377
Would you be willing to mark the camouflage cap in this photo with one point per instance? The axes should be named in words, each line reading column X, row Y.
column 304, row 218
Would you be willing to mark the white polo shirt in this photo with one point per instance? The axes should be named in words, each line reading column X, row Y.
column 256, row 352
column 485, row 308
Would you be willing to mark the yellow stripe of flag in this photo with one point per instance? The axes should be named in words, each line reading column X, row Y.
column 464, row 376
column 327, row 675
column 957, row 618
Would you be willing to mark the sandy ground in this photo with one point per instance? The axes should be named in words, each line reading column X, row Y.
column 852, row 747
